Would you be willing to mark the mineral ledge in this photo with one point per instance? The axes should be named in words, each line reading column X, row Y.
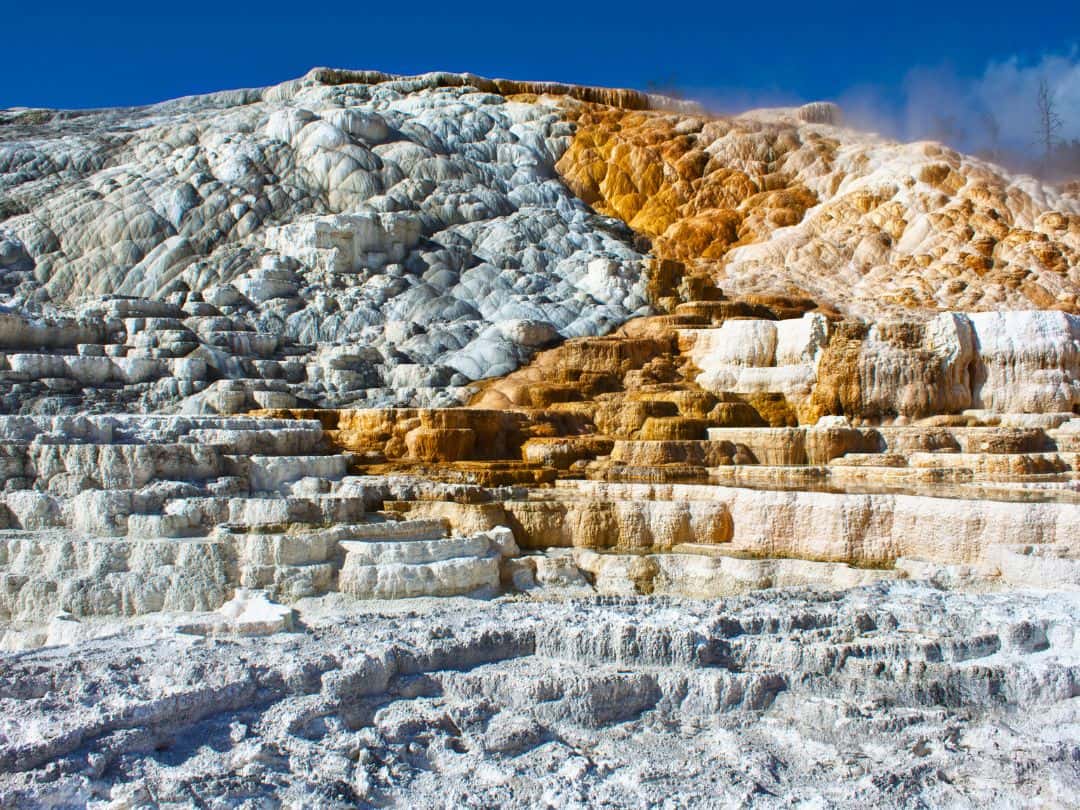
column 444, row 442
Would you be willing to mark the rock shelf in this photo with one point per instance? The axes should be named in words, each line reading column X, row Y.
column 907, row 693
column 371, row 440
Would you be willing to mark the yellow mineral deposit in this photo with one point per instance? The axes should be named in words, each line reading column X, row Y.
column 825, row 330
column 566, row 367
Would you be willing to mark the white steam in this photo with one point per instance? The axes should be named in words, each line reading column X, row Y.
column 993, row 112
column 1009, row 89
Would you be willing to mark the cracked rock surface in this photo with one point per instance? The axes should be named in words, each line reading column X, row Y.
column 389, row 242
column 894, row 694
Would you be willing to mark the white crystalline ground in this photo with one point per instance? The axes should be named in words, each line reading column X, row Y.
column 392, row 237
column 368, row 244
column 894, row 695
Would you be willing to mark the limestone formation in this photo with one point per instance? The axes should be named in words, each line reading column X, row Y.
column 326, row 241
column 898, row 695
column 442, row 441
column 787, row 204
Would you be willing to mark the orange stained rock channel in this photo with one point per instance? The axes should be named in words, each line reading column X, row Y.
column 626, row 408
column 586, row 400
column 785, row 203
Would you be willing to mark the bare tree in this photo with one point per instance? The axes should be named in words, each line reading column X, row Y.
column 665, row 86
column 1049, row 122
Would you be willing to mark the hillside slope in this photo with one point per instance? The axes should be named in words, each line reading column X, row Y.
column 353, row 238
column 786, row 202
column 734, row 514
column 420, row 223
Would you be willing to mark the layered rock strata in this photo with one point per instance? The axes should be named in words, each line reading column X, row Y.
column 275, row 360
column 345, row 237
column 123, row 516
column 899, row 696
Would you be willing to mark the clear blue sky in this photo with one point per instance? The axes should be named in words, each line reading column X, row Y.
column 754, row 52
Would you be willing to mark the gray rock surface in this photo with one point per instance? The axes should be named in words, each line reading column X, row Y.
column 205, row 608
column 894, row 695
column 369, row 243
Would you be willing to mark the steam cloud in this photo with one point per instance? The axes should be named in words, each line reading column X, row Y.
column 995, row 112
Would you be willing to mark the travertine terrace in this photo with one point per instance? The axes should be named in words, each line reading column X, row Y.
column 438, row 440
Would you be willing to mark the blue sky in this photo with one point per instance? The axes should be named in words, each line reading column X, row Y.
column 733, row 55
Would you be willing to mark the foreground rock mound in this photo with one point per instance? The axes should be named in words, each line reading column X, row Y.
column 898, row 695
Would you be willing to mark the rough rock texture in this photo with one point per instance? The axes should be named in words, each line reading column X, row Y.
column 771, row 204
column 125, row 516
column 746, row 491
column 353, row 237
column 1001, row 362
column 379, row 239
column 894, row 695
